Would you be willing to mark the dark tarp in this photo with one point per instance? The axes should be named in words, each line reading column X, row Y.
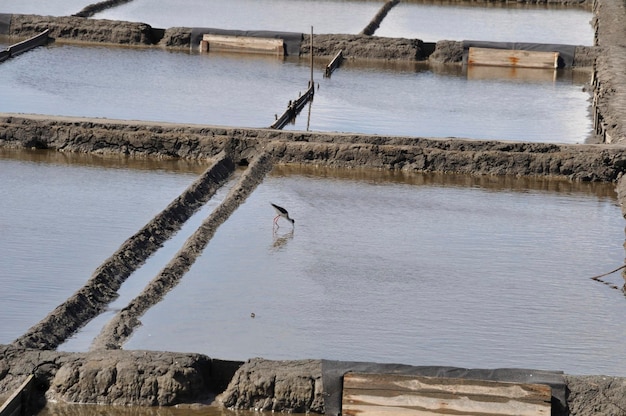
column 333, row 371
column 292, row 40
column 5, row 23
column 566, row 52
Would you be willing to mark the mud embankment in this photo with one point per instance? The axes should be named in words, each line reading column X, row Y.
column 355, row 47
column 152, row 378
column 476, row 157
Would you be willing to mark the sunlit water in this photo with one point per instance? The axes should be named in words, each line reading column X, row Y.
column 45, row 7
column 432, row 22
column 250, row 91
column 415, row 269
column 60, row 219
column 429, row 22
column 418, row 271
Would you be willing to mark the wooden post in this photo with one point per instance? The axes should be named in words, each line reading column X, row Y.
column 311, row 55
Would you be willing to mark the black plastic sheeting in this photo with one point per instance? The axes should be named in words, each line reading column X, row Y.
column 333, row 372
column 566, row 52
column 5, row 23
column 292, row 40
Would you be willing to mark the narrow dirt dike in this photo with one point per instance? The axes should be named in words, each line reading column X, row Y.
column 102, row 288
column 117, row 331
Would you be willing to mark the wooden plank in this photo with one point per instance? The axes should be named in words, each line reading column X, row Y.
column 242, row 44
column 14, row 405
column 510, row 57
column 480, row 72
column 387, row 394
column 334, row 64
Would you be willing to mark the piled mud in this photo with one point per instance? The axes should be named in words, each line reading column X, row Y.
column 78, row 29
column 143, row 378
column 152, row 378
column 575, row 162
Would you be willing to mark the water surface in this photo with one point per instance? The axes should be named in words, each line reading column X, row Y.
column 61, row 216
column 419, row 271
column 47, row 7
column 249, row 91
column 432, row 22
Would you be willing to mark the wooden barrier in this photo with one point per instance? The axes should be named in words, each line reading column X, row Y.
column 334, row 64
column 28, row 44
column 17, row 403
column 510, row 57
column 395, row 394
column 294, row 108
column 244, row 44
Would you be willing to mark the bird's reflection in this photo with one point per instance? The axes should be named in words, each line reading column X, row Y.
column 280, row 240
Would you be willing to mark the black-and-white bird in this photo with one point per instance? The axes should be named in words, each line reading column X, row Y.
column 282, row 212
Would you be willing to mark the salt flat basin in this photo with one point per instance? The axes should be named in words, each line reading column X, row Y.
column 250, row 91
column 428, row 21
column 422, row 270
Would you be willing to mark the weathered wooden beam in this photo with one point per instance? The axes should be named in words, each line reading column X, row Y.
column 511, row 57
column 245, row 44
column 395, row 394
column 334, row 64
column 16, row 404
column 294, row 108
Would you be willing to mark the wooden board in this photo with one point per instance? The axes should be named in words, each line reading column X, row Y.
column 510, row 57
column 395, row 394
column 15, row 405
column 242, row 44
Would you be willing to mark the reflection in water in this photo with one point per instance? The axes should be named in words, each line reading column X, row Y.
column 59, row 409
column 408, row 268
column 280, row 240
column 112, row 161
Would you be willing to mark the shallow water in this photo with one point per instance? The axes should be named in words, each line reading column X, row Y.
column 422, row 272
column 47, row 7
column 248, row 91
column 432, row 22
column 422, row 20
column 417, row 269
column 61, row 216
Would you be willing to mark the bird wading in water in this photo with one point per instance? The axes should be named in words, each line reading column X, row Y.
column 282, row 212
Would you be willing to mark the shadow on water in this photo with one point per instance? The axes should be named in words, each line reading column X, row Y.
column 489, row 183
column 56, row 409
column 52, row 157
